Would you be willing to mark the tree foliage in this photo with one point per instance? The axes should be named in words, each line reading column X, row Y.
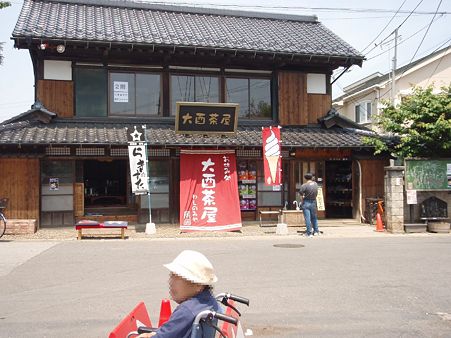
column 4, row 4
column 419, row 127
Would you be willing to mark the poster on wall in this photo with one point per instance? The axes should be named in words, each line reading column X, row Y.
column 272, row 158
column 320, row 200
column 209, row 199
column 54, row 184
column 120, row 91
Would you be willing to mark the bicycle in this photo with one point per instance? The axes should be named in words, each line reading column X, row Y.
column 3, row 205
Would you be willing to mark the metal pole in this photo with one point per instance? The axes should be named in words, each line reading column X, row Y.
column 393, row 76
column 150, row 227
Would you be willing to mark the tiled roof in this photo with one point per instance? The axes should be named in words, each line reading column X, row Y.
column 128, row 22
column 111, row 133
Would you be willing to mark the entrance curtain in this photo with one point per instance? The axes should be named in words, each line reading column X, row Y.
column 209, row 198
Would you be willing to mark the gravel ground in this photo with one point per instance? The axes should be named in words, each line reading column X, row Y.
column 330, row 228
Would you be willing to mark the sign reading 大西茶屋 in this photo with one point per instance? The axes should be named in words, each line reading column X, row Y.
column 206, row 118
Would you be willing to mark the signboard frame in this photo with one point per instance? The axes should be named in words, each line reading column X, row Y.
column 204, row 106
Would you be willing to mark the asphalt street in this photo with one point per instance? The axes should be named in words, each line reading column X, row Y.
column 299, row 287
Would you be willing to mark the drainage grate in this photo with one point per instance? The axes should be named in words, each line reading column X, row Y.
column 289, row 246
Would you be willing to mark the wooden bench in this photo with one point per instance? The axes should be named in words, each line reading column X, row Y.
column 264, row 213
column 87, row 224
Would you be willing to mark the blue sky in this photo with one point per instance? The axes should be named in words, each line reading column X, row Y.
column 357, row 22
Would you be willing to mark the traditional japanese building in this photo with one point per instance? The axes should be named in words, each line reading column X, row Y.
column 103, row 66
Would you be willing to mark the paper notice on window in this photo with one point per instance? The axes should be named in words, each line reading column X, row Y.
column 411, row 196
column 320, row 200
column 120, row 91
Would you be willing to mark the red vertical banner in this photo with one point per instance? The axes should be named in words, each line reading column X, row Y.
column 209, row 199
column 272, row 158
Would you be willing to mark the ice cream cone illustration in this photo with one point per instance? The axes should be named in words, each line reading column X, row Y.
column 273, row 162
column 272, row 154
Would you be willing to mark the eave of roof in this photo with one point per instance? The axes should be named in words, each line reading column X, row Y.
column 73, row 132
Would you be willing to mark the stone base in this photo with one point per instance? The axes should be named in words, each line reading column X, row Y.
column 293, row 217
column 415, row 227
column 440, row 227
column 282, row 229
column 21, row 226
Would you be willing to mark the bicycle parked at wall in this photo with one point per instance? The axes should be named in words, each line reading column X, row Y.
column 3, row 205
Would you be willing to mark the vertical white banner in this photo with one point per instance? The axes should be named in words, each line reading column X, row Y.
column 138, row 169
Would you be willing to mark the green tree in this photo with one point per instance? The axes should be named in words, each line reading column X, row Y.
column 419, row 127
column 3, row 4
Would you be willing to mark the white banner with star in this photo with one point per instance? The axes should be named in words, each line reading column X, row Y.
column 137, row 155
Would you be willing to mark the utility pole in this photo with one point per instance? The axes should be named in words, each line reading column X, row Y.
column 393, row 76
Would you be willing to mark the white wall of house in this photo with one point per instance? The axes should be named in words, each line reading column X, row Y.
column 436, row 72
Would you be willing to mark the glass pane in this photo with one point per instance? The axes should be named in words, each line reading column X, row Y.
column 269, row 199
column 63, row 170
column 148, row 94
column 182, row 89
column 90, row 92
column 368, row 110
column 57, row 203
column 122, row 94
column 260, row 98
column 237, row 91
column 207, row 89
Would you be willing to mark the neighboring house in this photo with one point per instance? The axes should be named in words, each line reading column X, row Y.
column 363, row 99
column 101, row 66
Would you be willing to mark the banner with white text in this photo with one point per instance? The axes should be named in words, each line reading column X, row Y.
column 209, row 199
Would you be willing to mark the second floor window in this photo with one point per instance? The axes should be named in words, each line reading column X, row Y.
column 134, row 94
column 193, row 88
column 253, row 95
column 363, row 112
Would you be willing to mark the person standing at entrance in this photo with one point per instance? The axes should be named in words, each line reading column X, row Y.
column 308, row 192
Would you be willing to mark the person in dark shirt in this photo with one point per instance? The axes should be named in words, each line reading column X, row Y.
column 308, row 192
column 190, row 285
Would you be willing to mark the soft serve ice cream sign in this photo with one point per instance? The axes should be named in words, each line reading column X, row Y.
column 271, row 155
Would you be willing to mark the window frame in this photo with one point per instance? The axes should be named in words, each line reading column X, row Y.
column 364, row 113
column 158, row 113
column 194, row 74
column 249, row 77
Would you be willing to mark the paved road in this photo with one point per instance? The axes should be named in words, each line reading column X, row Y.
column 331, row 287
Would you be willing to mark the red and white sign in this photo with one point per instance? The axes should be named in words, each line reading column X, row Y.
column 209, row 199
column 272, row 158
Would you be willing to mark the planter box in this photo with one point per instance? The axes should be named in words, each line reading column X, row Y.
column 440, row 227
column 415, row 227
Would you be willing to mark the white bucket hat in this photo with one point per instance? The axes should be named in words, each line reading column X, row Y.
column 194, row 267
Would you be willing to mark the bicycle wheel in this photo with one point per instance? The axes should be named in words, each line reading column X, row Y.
column 2, row 225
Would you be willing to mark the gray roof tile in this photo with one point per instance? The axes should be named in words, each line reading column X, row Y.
column 109, row 133
column 147, row 24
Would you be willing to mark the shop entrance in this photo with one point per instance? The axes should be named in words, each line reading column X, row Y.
column 105, row 183
column 339, row 189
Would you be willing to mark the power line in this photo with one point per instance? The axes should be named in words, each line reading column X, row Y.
column 319, row 9
column 424, row 36
column 438, row 64
column 402, row 23
column 363, row 50
column 404, row 40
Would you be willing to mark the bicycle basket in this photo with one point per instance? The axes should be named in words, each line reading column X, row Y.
column 3, row 203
